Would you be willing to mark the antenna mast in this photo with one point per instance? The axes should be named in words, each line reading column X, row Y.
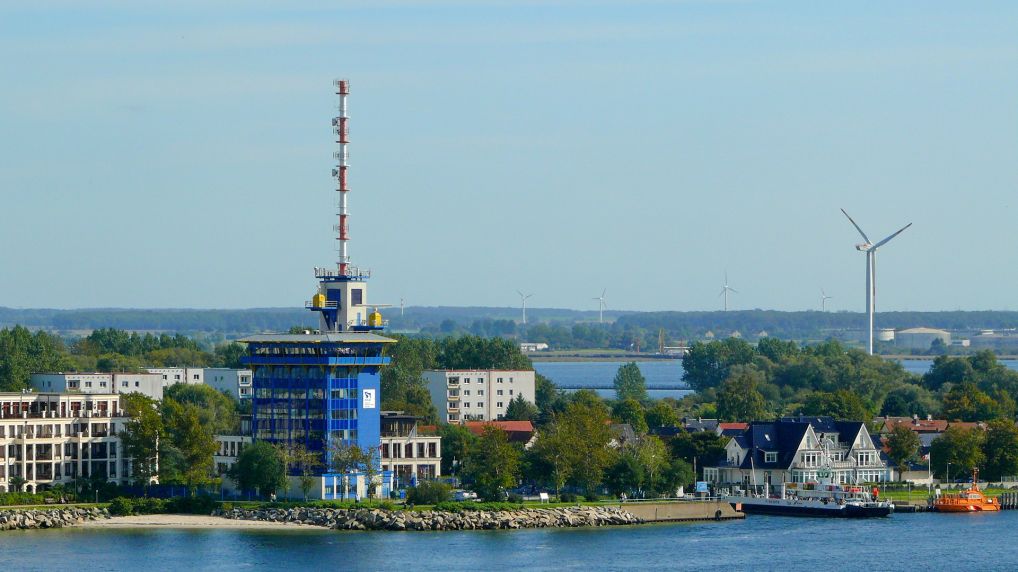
column 342, row 156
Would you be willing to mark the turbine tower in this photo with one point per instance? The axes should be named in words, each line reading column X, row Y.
column 726, row 289
column 402, row 305
column 523, row 301
column 601, row 306
column 823, row 300
column 871, row 273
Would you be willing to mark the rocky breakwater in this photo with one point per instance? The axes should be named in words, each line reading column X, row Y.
column 22, row 519
column 376, row 519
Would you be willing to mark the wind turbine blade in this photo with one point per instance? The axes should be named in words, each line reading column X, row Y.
column 603, row 292
column 733, row 290
column 866, row 238
column 888, row 239
column 723, row 290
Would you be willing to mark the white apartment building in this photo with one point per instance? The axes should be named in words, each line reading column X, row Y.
column 174, row 375
column 236, row 382
column 477, row 395
column 99, row 383
column 54, row 438
column 406, row 452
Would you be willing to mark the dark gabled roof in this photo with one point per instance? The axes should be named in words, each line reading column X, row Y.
column 695, row 425
column 781, row 437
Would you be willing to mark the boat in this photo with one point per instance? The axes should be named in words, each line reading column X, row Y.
column 969, row 500
column 822, row 498
column 813, row 499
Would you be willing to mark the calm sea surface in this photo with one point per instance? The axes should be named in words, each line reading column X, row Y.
column 901, row 542
column 601, row 373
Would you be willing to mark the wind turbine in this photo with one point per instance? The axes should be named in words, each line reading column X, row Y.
column 402, row 305
column 523, row 301
column 726, row 289
column 871, row 272
column 601, row 306
column 823, row 300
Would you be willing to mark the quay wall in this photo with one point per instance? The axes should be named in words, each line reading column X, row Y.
column 681, row 511
column 25, row 519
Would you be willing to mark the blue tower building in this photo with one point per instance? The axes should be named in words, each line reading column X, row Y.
column 322, row 390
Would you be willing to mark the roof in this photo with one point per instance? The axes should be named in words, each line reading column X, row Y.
column 923, row 331
column 517, row 430
column 728, row 426
column 917, row 425
column 338, row 337
column 784, row 436
column 700, row 424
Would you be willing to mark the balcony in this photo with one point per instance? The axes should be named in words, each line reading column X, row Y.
column 453, row 408
column 454, row 398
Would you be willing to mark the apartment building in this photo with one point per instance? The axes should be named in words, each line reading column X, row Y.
column 55, row 438
column 149, row 384
column 236, row 382
column 410, row 454
column 477, row 395
column 174, row 375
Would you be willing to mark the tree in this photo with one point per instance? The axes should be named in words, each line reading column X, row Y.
column 908, row 400
column 661, row 414
column 630, row 383
column 520, row 409
column 260, row 467
column 948, row 370
column 194, row 440
column 553, row 449
column 1001, row 449
column 586, row 425
column 457, row 443
column 707, row 365
column 345, row 459
column 140, row 437
column 841, row 404
column 546, row 394
column 700, row 448
column 962, row 448
column 653, row 456
column 624, row 475
column 902, row 446
column 493, row 465
column 739, row 399
column 631, row 411
column 966, row 402
column 298, row 459
column 677, row 473
column 216, row 410
column 18, row 483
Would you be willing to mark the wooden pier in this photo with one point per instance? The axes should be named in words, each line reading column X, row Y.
column 1008, row 501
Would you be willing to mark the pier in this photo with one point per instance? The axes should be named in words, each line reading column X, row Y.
column 681, row 511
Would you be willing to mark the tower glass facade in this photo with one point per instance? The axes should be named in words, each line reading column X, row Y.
column 317, row 390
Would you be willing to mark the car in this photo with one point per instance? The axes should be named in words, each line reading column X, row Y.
column 462, row 495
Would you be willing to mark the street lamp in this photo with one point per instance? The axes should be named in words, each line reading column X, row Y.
column 949, row 475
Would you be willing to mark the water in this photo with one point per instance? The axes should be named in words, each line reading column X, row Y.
column 903, row 541
column 921, row 366
column 594, row 373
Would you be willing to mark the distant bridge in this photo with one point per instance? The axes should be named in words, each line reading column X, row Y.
column 650, row 387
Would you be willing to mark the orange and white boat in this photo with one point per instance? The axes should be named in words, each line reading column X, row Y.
column 969, row 500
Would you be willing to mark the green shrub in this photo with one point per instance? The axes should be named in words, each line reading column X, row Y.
column 591, row 497
column 429, row 492
column 149, row 506
column 467, row 506
column 567, row 497
column 121, row 506
column 201, row 504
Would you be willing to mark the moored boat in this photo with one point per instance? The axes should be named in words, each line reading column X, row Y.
column 814, row 499
column 969, row 500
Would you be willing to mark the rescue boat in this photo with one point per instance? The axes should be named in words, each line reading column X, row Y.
column 969, row 500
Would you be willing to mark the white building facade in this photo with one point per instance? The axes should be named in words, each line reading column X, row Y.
column 54, row 438
column 99, row 383
column 410, row 455
column 236, row 382
column 175, row 375
column 477, row 395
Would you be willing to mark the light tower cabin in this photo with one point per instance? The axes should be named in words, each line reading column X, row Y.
column 322, row 390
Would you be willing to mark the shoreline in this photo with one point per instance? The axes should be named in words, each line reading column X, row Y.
column 190, row 522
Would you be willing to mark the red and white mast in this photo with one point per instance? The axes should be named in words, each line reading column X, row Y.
column 342, row 156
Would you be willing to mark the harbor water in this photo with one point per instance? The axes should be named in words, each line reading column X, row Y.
column 924, row 541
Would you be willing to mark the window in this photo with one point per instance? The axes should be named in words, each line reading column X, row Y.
column 356, row 297
column 510, row 392
column 479, row 404
column 124, row 384
column 88, row 384
column 810, row 459
column 500, row 380
column 137, row 384
column 770, row 457
column 499, row 392
column 480, row 392
column 500, row 404
column 480, row 380
column 466, row 392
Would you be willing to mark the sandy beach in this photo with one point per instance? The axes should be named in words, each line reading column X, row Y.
column 190, row 521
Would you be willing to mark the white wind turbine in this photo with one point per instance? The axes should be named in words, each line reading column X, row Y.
column 601, row 306
column 523, row 301
column 726, row 289
column 871, row 272
column 402, row 305
column 823, row 300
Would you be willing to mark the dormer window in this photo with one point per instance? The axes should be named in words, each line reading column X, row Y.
column 770, row 456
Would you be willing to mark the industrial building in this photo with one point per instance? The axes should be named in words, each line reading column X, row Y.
column 477, row 395
column 920, row 338
column 54, row 438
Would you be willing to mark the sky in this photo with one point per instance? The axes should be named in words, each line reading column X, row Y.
column 179, row 154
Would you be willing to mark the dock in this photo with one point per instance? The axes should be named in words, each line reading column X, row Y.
column 681, row 511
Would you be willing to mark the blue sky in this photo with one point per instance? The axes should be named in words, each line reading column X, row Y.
column 179, row 155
